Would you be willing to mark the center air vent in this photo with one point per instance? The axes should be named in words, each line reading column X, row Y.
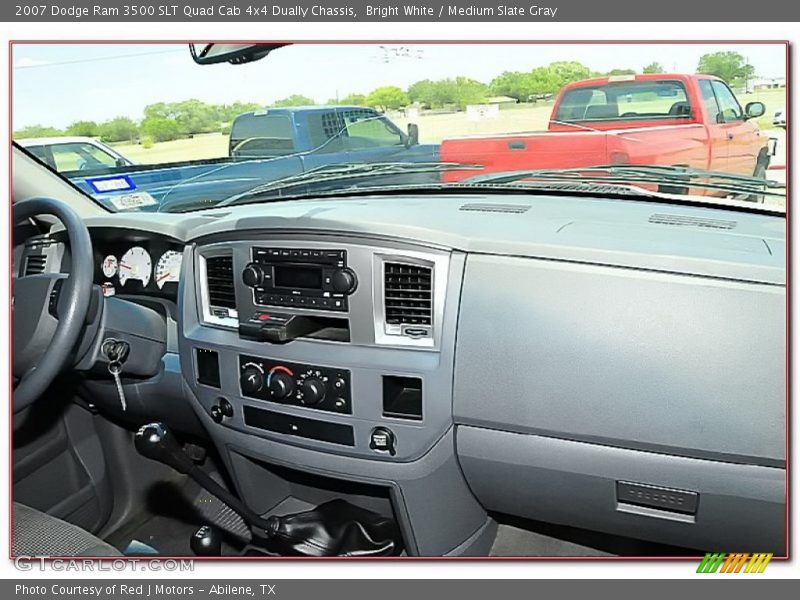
column 408, row 297
column 219, row 275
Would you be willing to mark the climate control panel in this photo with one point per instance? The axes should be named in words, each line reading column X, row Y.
column 321, row 388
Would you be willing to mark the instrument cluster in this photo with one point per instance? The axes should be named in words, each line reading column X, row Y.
column 138, row 266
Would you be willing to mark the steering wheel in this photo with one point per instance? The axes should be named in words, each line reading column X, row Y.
column 50, row 308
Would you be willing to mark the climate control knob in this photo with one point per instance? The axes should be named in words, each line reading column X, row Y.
column 344, row 281
column 251, row 379
column 253, row 275
column 281, row 384
column 313, row 391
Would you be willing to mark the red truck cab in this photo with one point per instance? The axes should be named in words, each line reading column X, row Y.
column 653, row 119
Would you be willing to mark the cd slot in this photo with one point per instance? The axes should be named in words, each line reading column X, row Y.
column 331, row 329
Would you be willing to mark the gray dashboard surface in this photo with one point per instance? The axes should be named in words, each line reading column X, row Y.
column 633, row 233
column 664, row 362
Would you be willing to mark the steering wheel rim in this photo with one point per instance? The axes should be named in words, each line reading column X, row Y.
column 76, row 291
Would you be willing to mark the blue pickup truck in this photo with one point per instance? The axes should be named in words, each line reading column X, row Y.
column 265, row 146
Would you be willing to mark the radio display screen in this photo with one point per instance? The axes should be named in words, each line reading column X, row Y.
column 298, row 276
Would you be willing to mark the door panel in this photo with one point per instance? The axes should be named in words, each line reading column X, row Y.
column 741, row 136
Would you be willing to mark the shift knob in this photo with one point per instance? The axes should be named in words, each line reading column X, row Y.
column 156, row 442
column 206, row 541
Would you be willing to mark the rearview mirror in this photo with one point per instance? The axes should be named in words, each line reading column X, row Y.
column 235, row 54
column 753, row 110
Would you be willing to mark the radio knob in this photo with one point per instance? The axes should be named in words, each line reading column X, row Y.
column 253, row 275
column 281, row 384
column 251, row 380
column 313, row 391
column 344, row 281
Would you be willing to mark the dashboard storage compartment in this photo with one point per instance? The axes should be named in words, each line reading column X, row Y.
column 402, row 397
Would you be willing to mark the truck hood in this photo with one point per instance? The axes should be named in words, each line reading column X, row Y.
column 156, row 187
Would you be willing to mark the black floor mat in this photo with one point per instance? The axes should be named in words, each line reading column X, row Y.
column 166, row 523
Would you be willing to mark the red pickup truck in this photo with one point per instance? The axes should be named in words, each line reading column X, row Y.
column 678, row 120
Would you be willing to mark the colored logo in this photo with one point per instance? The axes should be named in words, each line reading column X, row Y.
column 721, row 562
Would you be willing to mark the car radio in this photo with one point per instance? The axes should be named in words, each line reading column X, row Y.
column 300, row 277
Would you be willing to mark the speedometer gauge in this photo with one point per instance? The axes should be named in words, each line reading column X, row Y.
column 135, row 264
column 168, row 267
column 110, row 266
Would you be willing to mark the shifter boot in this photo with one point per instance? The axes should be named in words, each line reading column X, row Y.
column 335, row 528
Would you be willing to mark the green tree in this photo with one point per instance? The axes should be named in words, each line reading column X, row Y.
column 568, row 71
column 423, row 92
column 654, row 67
column 458, row 92
column 463, row 90
column 354, row 99
column 191, row 116
column 728, row 66
column 118, row 129
column 515, row 84
column 83, row 129
column 293, row 100
column 544, row 80
column 614, row 72
column 387, row 97
column 37, row 131
column 160, row 129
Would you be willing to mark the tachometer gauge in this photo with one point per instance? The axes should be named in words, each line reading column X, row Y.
column 168, row 267
column 135, row 264
column 110, row 266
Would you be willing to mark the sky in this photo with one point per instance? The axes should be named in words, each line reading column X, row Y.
column 58, row 84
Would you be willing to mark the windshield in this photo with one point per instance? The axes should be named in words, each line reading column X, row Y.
column 143, row 127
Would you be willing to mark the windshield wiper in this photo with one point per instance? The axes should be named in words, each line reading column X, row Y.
column 667, row 177
column 341, row 172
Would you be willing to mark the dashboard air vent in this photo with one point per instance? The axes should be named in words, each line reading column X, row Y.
column 35, row 264
column 687, row 221
column 516, row 209
column 408, row 294
column 219, row 272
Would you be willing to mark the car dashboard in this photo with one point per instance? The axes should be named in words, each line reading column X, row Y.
column 572, row 360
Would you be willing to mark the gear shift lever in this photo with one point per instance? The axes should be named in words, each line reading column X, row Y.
column 154, row 441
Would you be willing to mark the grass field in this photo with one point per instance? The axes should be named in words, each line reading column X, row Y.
column 433, row 129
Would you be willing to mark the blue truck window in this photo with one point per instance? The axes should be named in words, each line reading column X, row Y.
column 262, row 135
column 366, row 129
column 327, row 131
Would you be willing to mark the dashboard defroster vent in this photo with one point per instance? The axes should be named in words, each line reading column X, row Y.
column 515, row 209
column 408, row 294
column 219, row 273
column 690, row 221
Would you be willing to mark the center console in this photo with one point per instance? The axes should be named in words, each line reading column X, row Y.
column 314, row 361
